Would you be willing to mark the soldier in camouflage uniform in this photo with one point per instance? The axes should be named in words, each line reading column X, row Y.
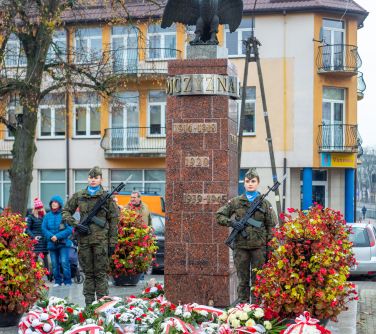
column 95, row 244
column 250, row 251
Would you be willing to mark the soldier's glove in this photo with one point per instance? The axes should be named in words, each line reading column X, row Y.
column 236, row 225
column 82, row 229
column 111, row 251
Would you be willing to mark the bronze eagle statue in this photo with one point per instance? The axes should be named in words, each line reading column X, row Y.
column 206, row 15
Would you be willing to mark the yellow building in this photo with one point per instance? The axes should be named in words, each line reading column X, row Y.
column 310, row 64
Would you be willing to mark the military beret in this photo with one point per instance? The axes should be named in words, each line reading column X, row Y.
column 95, row 171
column 252, row 173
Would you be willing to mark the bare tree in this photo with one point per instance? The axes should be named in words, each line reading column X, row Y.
column 39, row 66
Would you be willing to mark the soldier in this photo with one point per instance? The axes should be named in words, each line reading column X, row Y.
column 95, row 244
column 250, row 251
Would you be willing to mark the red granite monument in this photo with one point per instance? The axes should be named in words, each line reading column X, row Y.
column 201, row 174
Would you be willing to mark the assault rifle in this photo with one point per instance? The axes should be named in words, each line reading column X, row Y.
column 91, row 218
column 247, row 220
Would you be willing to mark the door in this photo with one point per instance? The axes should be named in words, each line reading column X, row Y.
column 333, row 37
column 125, row 127
column 125, row 50
column 333, row 119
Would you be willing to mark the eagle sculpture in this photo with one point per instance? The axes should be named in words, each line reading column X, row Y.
column 206, row 15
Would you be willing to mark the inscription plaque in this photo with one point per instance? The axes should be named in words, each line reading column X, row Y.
column 195, row 128
column 196, row 161
column 204, row 198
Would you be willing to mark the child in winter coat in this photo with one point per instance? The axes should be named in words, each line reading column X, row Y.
column 57, row 233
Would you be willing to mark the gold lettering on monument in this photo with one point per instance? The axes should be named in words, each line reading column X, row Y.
column 187, row 84
column 210, row 84
column 195, row 128
column 204, row 198
column 196, row 161
column 233, row 139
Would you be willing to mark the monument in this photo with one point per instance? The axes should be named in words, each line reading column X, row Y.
column 201, row 163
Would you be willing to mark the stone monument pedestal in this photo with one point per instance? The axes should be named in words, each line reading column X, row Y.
column 201, row 175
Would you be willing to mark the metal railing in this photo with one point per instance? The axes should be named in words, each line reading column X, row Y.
column 6, row 144
column 338, row 138
column 361, row 86
column 135, row 140
column 140, row 61
column 338, row 58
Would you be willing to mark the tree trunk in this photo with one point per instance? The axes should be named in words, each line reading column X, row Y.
column 21, row 170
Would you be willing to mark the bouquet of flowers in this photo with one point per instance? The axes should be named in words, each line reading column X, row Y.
column 136, row 245
column 21, row 277
column 308, row 269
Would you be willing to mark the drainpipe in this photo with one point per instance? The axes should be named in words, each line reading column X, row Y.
column 67, row 151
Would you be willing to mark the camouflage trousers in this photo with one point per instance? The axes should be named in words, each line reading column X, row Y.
column 243, row 260
column 94, row 262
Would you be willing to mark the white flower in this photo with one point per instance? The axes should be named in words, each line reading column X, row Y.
column 204, row 313
column 238, row 313
column 150, row 331
column 186, row 315
column 231, row 310
column 47, row 327
column 235, row 323
column 43, row 317
column 250, row 323
column 268, row 325
column 247, row 309
column 153, row 289
column 231, row 317
column 223, row 317
column 179, row 310
column 259, row 313
column 311, row 330
column 243, row 316
column 35, row 322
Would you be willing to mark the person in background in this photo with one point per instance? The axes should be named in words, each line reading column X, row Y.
column 57, row 234
column 34, row 230
column 364, row 211
column 140, row 207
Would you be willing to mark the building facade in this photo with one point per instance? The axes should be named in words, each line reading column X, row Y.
column 310, row 64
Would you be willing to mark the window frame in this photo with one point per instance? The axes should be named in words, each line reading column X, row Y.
column 53, row 120
column 56, row 40
column 13, row 39
column 125, row 43
column 87, row 106
column 89, row 39
column 75, row 178
column 52, row 182
column 163, row 106
column 162, row 46
column 239, row 31
column 239, row 105
column 2, row 184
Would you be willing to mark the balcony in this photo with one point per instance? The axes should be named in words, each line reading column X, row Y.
column 6, row 145
column 361, row 86
column 338, row 138
column 341, row 59
column 142, row 61
column 134, row 141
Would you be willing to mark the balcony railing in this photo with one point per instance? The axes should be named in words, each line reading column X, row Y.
column 338, row 138
column 361, row 86
column 154, row 60
column 6, row 145
column 139, row 141
column 338, row 58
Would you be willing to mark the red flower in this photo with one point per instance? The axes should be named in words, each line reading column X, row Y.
column 81, row 317
column 69, row 310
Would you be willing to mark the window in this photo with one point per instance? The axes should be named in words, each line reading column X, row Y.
column 87, row 115
column 162, row 42
column 234, row 40
column 333, row 112
column 157, row 113
column 144, row 180
column 58, row 48
column 333, row 38
column 80, row 179
column 14, row 52
column 13, row 106
column 88, row 43
column 124, row 49
column 52, row 116
column 4, row 188
column 249, row 112
column 52, row 182
column 319, row 187
column 242, row 173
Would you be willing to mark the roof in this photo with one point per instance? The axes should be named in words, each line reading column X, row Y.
column 142, row 9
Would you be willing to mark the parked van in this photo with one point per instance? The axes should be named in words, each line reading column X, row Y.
column 155, row 202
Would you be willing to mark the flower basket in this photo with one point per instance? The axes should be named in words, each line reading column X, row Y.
column 136, row 246
column 309, row 267
column 21, row 276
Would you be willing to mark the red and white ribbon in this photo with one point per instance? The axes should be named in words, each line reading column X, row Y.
column 90, row 329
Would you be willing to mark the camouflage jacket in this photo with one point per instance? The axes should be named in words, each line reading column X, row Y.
column 258, row 237
column 85, row 203
column 143, row 210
